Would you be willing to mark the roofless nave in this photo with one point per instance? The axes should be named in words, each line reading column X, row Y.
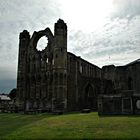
column 56, row 80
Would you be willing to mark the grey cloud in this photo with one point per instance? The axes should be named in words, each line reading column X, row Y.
column 117, row 43
column 15, row 16
column 18, row 15
column 126, row 8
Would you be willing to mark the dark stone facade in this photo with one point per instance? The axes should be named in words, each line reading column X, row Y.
column 125, row 95
column 56, row 80
column 83, row 83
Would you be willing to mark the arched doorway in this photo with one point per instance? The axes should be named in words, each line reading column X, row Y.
column 90, row 97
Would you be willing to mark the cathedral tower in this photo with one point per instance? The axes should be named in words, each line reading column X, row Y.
column 59, row 98
column 24, row 40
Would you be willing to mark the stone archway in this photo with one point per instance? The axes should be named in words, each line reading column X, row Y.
column 90, row 97
column 38, row 35
column 42, row 43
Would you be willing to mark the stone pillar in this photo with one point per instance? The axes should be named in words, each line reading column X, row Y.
column 59, row 99
column 24, row 40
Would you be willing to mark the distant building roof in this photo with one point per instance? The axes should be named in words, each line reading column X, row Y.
column 4, row 97
column 133, row 62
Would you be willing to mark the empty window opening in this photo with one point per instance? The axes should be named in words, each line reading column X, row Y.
column 47, row 60
column 42, row 43
column 130, row 83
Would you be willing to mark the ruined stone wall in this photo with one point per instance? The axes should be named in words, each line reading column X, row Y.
column 116, row 75
column 84, row 81
column 42, row 75
column 133, row 77
column 54, row 79
column 123, row 77
column 24, row 40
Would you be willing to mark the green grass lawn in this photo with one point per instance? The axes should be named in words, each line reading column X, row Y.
column 68, row 126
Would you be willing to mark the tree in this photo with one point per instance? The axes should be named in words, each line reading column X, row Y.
column 13, row 93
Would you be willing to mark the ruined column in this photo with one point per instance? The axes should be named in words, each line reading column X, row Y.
column 24, row 39
column 59, row 98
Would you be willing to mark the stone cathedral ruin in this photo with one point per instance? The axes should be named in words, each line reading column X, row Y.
column 56, row 80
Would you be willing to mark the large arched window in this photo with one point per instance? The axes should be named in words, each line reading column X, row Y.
column 42, row 43
column 90, row 97
column 89, row 91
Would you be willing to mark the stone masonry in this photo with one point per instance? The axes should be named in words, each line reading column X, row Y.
column 56, row 80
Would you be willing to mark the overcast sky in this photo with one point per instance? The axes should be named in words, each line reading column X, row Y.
column 101, row 31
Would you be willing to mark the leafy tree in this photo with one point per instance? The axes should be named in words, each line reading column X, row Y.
column 13, row 93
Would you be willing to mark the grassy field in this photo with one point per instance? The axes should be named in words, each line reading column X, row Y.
column 68, row 126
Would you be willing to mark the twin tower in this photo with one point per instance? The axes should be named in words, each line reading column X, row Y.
column 42, row 75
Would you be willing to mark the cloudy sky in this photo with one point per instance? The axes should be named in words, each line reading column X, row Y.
column 101, row 31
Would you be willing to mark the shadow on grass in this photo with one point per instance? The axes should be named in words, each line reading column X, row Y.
column 75, row 139
column 116, row 115
column 12, row 122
